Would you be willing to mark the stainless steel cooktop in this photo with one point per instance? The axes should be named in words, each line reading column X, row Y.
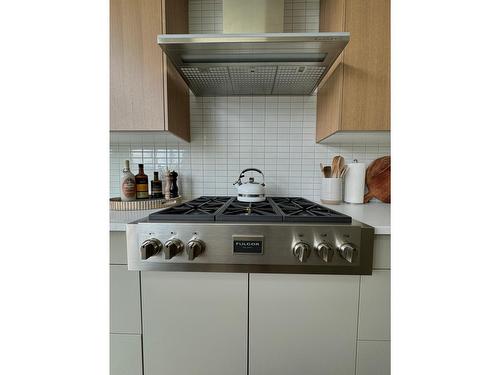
column 279, row 235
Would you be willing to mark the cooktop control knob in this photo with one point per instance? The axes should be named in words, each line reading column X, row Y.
column 347, row 251
column 172, row 247
column 325, row 251
column 302, row 250
column 194, row 248
column 150, row 247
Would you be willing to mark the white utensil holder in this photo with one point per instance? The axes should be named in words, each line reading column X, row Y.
column 331, row 190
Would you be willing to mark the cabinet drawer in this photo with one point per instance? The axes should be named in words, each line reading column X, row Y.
column 125, row 355
column 382, row 252
column 375, row 306
column 117, row 248
column 125, row 302
column 374, row 358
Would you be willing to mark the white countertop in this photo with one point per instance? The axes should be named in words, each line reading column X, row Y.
column 378, row 215
column 375, row 214
column 118, row 219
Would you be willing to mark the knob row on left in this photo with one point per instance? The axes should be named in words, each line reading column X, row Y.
column 171, row 248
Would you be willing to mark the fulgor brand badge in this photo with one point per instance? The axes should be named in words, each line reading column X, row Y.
column 248, row 244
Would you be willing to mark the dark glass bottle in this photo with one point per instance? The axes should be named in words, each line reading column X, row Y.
column 141, row 183
column 174, row 189
column 156, row 187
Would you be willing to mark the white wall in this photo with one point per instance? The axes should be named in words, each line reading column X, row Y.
column 273, row 133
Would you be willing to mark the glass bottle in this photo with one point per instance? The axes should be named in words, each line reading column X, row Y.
column 127, row 184
column 141, row 182
column 156, row 187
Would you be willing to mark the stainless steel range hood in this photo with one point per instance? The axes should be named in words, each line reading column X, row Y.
column 253, row 64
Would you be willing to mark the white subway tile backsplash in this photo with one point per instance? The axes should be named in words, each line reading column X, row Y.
column 228, row 134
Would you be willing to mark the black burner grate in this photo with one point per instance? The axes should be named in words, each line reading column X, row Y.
column 199, row 209
column 297, row 209
column 257, row 211
column 229, row 209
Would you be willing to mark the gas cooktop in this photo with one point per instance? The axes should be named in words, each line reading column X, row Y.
column 273, row 209
column 278, row 235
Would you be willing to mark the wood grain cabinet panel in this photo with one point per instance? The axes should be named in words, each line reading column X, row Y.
column 146, row 94
column 366, row 93
column 302, row 324
column 136, row 70
column 356, row 97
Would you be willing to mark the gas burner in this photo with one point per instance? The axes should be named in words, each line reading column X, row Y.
column 273, row 209
column 200, row 209
column 255, row 211
column 297, row 209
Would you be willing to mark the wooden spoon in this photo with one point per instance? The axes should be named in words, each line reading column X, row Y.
column 343, row 171
column 340, row 166
column 327, row 171
column 335, row 165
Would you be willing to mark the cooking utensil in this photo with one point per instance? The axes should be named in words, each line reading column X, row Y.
column 343, row 170
column 327, row 171
column 378, row 180
column 334, row 165
column 337, row 165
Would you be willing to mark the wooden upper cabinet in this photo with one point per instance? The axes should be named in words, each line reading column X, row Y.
column 147, row 94
column 356, row 97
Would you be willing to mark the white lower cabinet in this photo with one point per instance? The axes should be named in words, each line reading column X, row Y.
column 374, row 358
column 125, row 300
column 125, row 357
column 302, row 324
column 195, row 323
column 375, row 306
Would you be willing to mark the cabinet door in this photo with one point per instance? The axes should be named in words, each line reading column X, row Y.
column 125, row 300
column 117, row 248
column 375, row 306
column 195, row 323
column 136, row 75
column 366, row 92
column 374, row 358
column 302, row 324
column 382, row 252
column 125, row 356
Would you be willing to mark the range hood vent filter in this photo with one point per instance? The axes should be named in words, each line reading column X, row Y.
column 253, row 64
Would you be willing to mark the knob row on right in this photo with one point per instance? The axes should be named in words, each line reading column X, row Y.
column 324, row 250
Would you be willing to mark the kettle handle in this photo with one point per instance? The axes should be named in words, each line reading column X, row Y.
column 247, row 170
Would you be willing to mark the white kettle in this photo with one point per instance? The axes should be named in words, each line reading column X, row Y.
column 250, row 191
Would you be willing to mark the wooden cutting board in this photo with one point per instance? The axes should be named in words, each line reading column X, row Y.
column 378, row 180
